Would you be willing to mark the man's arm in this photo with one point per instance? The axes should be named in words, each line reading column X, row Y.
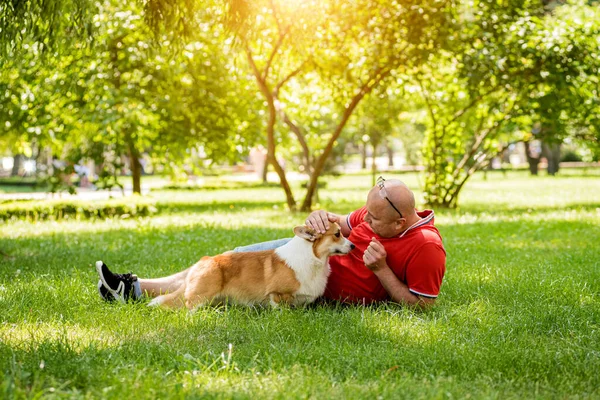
column 375, row 259
column 398, row 291
column 319, row 220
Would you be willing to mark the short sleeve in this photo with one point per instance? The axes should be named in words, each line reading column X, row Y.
column 355, row 218
column 425, row 270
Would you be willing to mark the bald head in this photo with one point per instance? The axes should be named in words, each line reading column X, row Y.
column 399, row 194
column 402, row 197
column 381, row 216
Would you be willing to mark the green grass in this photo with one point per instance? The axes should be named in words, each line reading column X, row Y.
column 518, row 316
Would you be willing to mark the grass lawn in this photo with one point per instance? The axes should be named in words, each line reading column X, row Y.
column 518, row 315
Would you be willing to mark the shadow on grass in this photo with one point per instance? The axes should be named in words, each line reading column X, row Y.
column 344, row 207
column 507, row 209
column 336, row 345
column 147, row 251
column 221, row 206
column 158, row 251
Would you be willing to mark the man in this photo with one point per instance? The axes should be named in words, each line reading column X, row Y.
column 399, row 254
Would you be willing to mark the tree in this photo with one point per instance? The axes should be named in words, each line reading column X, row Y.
column 34, row 106
column 512, row 67
column 129, row 95
column 378, row 38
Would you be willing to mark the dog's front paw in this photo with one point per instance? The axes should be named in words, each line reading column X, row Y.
column 155, row 302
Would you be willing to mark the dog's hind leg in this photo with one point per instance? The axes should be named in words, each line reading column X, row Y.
column 279, row 299
column 170, row 300
column 203, row 286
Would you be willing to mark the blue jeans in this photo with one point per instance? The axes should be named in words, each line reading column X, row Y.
column 270, row 245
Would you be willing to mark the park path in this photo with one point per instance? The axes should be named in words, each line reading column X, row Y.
column 85, row 194
column 90, row 194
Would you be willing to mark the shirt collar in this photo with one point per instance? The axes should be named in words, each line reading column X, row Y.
column 426, row 219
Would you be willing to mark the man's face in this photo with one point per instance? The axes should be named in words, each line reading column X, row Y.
column 381, row 219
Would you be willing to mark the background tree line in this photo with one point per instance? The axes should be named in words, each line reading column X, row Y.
column 170, row 78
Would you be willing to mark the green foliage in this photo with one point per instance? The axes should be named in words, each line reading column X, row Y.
column 313, row 77
column 505, row 76
column 184, row 85
column 52, row 24
column 570, row 156
column 219, row 185
column 128, row 96
column 68, row 209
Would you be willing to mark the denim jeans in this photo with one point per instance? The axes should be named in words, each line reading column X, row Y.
column 270, row 245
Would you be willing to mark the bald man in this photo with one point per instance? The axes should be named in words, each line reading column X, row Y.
column 398, row 256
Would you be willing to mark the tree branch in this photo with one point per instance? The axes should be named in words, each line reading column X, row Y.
column 474, row 102
column 274, row 52
column 294, row 128
column 379, row 74
column 262, row 84
column 479, row 140
column 427, row 102
column 290, row 76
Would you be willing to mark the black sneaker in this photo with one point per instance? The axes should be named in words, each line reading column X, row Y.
column 113, row 286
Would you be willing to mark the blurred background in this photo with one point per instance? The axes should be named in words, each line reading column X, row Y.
column 118, row 97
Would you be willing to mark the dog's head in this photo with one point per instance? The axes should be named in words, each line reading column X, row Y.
column 327, row 244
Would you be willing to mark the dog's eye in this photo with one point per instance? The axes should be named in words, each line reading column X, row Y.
column 337, row 234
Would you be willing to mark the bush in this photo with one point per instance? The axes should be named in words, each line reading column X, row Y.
column 570, row 156
column 220, row 185
column 19, row 181
column 69, row 209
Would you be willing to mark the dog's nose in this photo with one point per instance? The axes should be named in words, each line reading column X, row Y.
column 352, row 247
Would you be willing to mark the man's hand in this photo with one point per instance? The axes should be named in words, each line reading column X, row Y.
column 319, row 220
column 375, row 255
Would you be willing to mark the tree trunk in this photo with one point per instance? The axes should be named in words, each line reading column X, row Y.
column 271, row 157
column 374, row 165
column 134, row 164
column 363, row 156
column 531, row 159
column 302, row 140
column 390, row 154
column 320, row 162
column 265, row 171
column 16, row 164
column 552, row 153
column 136, row 169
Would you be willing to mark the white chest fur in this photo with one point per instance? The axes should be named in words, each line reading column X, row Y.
column 311, row 271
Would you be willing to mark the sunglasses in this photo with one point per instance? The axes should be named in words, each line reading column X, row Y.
column 383, row 194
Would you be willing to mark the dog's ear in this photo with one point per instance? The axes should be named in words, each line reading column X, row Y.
column 306, row 233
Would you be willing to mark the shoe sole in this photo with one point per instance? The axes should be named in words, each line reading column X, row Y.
column 117, row 294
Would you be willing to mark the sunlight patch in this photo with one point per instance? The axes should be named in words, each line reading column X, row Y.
column 76, row 336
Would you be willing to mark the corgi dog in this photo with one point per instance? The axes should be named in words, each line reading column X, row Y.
column 295, row 273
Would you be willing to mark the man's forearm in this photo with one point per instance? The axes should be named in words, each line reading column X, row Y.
column 397, row 290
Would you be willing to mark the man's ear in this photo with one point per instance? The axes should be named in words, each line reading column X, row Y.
column 400, row 222
column 305, row 232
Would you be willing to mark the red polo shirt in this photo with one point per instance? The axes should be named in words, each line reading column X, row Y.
column 417, row 257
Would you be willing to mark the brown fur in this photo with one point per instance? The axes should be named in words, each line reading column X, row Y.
column 248, row 278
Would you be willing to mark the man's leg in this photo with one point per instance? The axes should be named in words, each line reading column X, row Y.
column 270, row 245
column 123, row 287
column 157, row 286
